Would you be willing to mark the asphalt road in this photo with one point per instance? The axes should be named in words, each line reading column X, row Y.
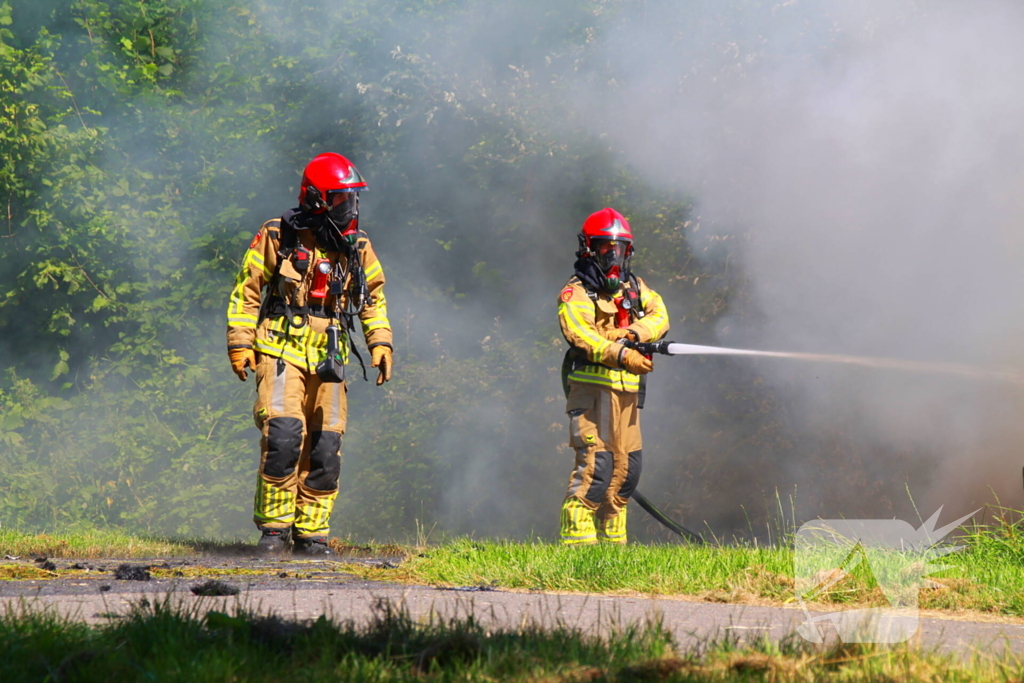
column 306, row 589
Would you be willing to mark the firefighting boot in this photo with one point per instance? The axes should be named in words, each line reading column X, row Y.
column 273, row 541
column 577, row 523
column 312, row 545
column 612, row 529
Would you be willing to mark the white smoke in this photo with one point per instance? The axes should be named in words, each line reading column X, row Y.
column 870, row 155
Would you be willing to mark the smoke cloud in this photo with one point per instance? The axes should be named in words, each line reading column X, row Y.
column 860, row 159
column 869, row 156
column 854, row 168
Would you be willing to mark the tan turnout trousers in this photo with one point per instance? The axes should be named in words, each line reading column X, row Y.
column 604, row 430
column 302, row 420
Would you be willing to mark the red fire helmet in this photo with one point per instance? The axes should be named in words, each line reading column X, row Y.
column 607, row 239
column 330, row 173
column 606, row 224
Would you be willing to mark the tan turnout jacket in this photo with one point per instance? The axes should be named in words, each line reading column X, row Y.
column 301, row 345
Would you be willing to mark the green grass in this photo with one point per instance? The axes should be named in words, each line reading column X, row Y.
column 663, row 569
column 166, row 642
column 94, row 543
column 987, row 576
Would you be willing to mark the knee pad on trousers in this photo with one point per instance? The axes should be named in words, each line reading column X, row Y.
column 633, row 475
column 284, row 444
column 324, row 461
column 601, row 478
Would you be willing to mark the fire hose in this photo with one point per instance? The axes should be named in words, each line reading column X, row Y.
column 641, row 499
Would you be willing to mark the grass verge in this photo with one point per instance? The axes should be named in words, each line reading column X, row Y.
column 94, row 543
column 171, row 643
column 986, row 576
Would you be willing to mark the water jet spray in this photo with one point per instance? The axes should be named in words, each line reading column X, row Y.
column 675, row 349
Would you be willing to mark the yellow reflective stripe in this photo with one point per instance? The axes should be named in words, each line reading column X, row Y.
column 580, row 327
column 273, row 504
column 380, row 303
column 613, row 530
column 375, row 323
column 577, row 523
column 657, row 320
column 601, row 371
column 615, row 379
column 301, row 347
column 236, row 301
column 577, row 325
column 314, row 516
column 243, row 321
column 316, row 346
column 255, row 259
column 281, row 351
column 373, row 270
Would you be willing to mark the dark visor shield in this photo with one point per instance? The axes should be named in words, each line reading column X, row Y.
column 610, row 253
column 342, row 208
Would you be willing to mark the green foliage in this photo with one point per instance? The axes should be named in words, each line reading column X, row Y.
column 146, row 141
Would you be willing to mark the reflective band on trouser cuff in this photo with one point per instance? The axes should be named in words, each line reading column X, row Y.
column 612, row 530
column 577, row 523
column 273, row 505
column 313, row 515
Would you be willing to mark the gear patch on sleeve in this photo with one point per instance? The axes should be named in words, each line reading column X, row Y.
column 566, row 293
column 256, row 240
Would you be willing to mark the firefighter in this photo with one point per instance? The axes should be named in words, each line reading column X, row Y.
column 305, row 279
column 603, row 303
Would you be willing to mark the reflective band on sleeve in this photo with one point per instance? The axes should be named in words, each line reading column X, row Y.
column 242, row 320
column 572, row 316
column 375, row 323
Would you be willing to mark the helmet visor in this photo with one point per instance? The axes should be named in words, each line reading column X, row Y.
column 611, row 254
column 343, row 207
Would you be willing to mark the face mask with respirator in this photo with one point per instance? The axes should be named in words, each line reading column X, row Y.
column 337, row 227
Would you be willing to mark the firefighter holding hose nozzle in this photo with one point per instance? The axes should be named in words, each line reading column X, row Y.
column 305, row 279
column 603, row 303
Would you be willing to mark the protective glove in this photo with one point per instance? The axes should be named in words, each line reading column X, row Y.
column 381, row 357
column 617, row 333
column 242, row 358
column 635, row 362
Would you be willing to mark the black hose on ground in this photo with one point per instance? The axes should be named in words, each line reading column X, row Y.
column 649, row 508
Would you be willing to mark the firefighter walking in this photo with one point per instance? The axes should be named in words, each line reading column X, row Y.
column 602, row 303
column 305, row 281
